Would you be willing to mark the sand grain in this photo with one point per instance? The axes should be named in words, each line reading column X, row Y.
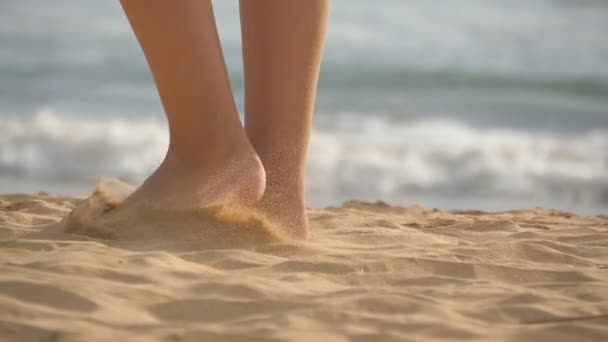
column 371, row 272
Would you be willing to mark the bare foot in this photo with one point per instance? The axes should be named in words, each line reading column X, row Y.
column 240, row 182
column 177, row 185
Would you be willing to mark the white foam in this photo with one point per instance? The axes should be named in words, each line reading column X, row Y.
column 50, row 146
column 450, row 158
column 350, row 156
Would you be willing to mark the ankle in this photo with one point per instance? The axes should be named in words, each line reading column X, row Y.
column 236, row 177
column 202, row 155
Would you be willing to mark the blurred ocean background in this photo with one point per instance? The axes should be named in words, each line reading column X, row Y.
column 490, row 104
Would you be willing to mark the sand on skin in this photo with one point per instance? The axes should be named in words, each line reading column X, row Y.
column 371, row 272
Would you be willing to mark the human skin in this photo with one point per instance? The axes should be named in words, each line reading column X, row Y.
column 282, row 49
column 212, row 159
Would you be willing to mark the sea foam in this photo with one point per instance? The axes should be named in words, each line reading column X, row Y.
column 350, row 156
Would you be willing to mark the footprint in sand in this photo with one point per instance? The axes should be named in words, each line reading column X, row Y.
column 105, row 215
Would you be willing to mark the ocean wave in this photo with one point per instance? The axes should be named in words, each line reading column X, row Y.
column 351, row 155
column 448, row 158
column 52, row 146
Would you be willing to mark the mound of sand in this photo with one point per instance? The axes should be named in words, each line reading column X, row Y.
column 75, row 270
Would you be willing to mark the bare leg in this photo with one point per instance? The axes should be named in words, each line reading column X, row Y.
column 283, row 44
column 210, row 159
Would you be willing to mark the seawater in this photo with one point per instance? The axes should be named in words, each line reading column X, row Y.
column 488, row 104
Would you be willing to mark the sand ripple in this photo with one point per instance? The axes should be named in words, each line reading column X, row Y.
column 371, row 272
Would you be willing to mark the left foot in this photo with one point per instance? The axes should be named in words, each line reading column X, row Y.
column 176, row 185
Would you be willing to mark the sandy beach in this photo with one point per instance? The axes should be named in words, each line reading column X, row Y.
column 453, row 156
column 371, row 272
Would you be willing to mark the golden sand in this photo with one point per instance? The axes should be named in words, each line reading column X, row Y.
column 89, row 270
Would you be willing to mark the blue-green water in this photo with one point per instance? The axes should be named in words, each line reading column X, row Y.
column 487, row 103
